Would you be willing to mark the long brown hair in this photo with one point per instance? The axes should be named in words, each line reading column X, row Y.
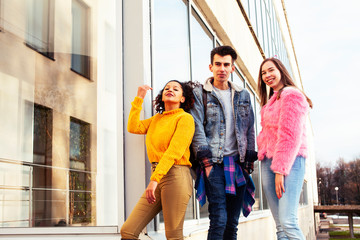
column 285, row 80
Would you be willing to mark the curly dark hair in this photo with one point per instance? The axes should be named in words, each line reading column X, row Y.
column 187, row 88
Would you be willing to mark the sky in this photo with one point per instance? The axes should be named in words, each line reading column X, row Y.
column 326, row 35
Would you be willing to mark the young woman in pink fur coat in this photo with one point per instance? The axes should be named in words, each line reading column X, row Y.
column 282, row 145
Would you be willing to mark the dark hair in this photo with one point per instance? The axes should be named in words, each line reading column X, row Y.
column 285, row 80
column 223, row 51
column 187, row 88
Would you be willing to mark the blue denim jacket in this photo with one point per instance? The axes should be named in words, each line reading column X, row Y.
column 209, row 140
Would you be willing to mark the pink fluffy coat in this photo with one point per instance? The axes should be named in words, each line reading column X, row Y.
column 283, row 134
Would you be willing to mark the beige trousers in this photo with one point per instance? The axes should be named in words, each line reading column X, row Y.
column 172, row 196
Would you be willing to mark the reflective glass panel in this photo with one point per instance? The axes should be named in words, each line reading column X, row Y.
column 252, row 14
column 237, row 78
column 260, row 28
column 58, row 139
column 255, row 174
column 201, row 46
column 245, row 4
column 258, row 130
column 171, row 58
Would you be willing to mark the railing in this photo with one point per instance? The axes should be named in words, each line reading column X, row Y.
column 25, row 198
column 348, row 209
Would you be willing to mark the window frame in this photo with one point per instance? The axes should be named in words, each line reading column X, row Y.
column 83, row 60
column 50, row 11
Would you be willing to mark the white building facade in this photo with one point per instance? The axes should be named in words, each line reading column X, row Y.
column 69, row 70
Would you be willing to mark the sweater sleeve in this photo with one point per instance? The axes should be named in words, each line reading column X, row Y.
column 293, row 110
column 135, row 125
column 180, row 141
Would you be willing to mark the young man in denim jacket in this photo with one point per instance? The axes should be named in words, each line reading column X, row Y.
column 224, row 138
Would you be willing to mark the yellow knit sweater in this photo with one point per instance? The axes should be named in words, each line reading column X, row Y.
column 168, row 137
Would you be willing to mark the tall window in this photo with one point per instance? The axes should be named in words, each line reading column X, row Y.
column 55, row 170
column 237, row 78
column 42, row 172
column 304, row 195
column 171, row 57
column 170, row 51
column 40, row 26
column 255, row 175
column 80, row 176
column 263, row 19
column 201, row 45
column 202, row 42
column 80, row 57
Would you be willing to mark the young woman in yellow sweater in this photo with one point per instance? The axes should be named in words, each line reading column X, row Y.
column 168, row 137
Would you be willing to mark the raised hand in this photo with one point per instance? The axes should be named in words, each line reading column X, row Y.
column 142, row 90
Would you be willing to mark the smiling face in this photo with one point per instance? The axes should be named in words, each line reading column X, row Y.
column 271, row 76
column 173, row 93
column 221, row 68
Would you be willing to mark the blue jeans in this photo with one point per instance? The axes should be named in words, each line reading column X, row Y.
column 284, row 210
column 224, row 209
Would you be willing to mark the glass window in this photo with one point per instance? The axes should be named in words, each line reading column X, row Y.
column 276, row 40
column 79, row 145
column 252, row 95
column 270, row 32
column 80, row 57
column 258, row 117
column 201, row 46
column 304, row 195
column 260, row 29
column 42, row 135
column 252, row 14
column 171, row 58
column 238, row 78
column 255, row 174
column 80, row 195
column 256, row 25
column 268, row 29
column 273, row 33
column 258, row 164
column 40, row 26
column 245, row 4
column 264, row 22
column 42, row 172
column 171, row 55
column 58, row 143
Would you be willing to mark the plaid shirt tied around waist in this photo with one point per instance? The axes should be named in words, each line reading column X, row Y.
column 234, row 177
